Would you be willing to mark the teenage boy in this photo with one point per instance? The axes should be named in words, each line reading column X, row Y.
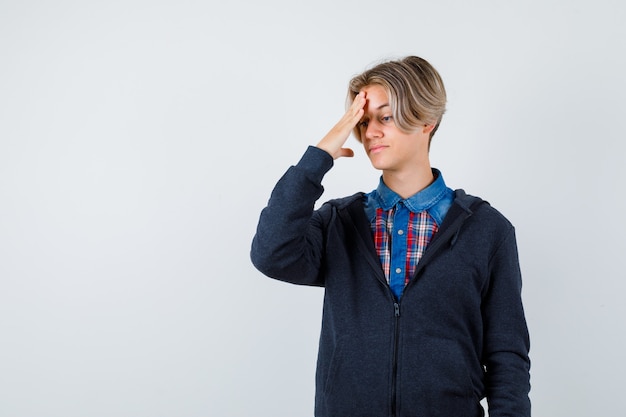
column 422, row 306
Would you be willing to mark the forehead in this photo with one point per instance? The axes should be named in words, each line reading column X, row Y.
column 376, row 97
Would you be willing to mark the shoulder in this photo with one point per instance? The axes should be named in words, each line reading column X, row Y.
column 351, row 205
column 486, row 229
column 481, row 211
column 345, row 202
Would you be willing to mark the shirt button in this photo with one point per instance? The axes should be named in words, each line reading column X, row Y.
column 398, row 270
column 400, row 232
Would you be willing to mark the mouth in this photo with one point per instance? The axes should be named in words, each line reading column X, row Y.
column 376, row 148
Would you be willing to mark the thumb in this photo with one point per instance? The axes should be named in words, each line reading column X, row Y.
column 346, row 152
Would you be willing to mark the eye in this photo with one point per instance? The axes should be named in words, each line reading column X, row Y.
column 386, row 119
column 363, row 124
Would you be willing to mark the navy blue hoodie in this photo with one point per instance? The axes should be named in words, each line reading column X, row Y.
column 458, row 333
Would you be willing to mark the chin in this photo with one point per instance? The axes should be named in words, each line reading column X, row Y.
column 380, row 165
column 377, row 163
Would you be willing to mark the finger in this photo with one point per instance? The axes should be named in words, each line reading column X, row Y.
column 346, row 152
column 358, row 102
column 355, row 118
column 349, row 121
column 358, row 106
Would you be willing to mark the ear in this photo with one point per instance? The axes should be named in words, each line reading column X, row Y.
column 428, row 128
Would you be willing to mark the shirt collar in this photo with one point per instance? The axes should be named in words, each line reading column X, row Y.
column 422, row 200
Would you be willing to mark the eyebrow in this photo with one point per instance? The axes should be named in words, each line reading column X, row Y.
column 382, row 106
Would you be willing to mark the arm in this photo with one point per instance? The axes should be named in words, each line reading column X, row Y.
column 506, row 336
column 288, row 244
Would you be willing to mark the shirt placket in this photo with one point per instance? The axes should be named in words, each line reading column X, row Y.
column 398, row 241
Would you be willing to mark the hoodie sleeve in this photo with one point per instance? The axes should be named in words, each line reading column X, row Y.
column 288, row 243
column 506, row 336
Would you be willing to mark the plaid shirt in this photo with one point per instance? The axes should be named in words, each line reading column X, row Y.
column 401, row 249
column 403, row 228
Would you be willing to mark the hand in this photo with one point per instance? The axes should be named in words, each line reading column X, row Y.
column 334, row 140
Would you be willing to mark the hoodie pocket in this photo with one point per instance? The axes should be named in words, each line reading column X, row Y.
column 436, row 378
column 358, row 379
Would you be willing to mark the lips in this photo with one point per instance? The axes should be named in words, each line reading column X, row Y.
column 377, row 148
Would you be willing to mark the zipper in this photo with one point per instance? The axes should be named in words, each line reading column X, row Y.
column 394, row 369
column 396, row 308
column 434, row 247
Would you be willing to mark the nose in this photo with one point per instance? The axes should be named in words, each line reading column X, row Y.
column 373, row 131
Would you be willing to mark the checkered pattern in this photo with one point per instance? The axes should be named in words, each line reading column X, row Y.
column 382, row 224
column 420, row 231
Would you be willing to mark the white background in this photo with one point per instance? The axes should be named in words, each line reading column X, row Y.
column 139, row 141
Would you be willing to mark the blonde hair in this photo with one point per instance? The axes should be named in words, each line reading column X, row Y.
column 414, row 88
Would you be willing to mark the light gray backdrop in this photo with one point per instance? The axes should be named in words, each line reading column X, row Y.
column 140, row 139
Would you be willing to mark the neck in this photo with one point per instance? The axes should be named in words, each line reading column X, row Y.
column 406, row 184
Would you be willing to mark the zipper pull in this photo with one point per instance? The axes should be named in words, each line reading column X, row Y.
column 396, row 308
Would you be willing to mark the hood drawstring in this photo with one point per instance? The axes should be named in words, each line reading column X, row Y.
column 456, row 236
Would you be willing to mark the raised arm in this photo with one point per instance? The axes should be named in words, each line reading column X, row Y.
column 289, row 243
